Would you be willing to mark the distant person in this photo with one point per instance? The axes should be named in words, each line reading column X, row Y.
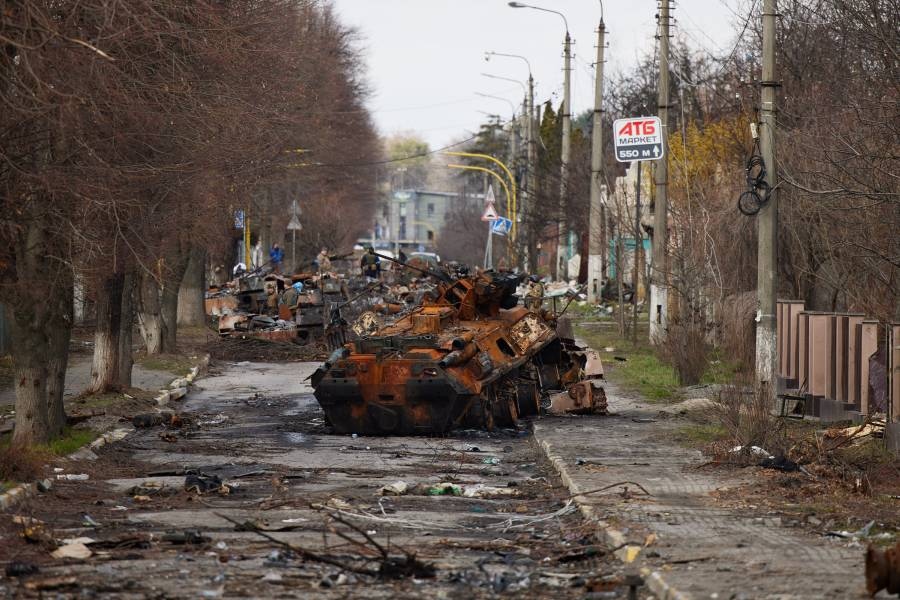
column 276, row 257
column 323, row 261
column 370, row 265
column 256, row 256
column 401, row 257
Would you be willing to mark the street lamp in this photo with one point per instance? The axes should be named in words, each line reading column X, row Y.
column 530, row 188
column 511, row 105
column 565, row 238
column 524, row 89
column 549, row 10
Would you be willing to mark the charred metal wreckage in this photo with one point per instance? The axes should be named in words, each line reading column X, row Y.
column 468, row 356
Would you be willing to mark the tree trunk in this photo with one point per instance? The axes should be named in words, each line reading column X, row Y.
column 30, row 372
column 178, row 264
column 149, row 316
column 170, row 317
column 105, row 368
column 126, row 359
column 59, row 333
column 28, row 312
column 191, row 312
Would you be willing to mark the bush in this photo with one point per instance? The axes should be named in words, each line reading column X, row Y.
column 746, row 414
column 686, row 349
column 19, row 463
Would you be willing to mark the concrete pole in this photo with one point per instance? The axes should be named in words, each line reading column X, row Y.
column 767, row 218
column 531, row 168
column 659, row 297
column 638, row 248
column 563, row 254
column 595, row 225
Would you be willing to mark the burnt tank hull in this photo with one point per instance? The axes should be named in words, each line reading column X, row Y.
column 459, row 361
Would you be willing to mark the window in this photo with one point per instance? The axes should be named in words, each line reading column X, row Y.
column 403, row 209
column 431, row 210
column 430, row 235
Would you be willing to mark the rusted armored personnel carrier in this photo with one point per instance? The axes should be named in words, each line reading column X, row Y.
column 469, row 357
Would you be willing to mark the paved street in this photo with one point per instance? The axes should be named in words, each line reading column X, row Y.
column 258, row 427
column 703, row 548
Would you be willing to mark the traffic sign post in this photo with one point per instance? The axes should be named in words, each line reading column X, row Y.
column 490, row 215
column 638, row 138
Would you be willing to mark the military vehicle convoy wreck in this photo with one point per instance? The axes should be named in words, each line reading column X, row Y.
column 470, row 357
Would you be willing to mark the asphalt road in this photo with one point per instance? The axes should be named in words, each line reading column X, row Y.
column 258, row 427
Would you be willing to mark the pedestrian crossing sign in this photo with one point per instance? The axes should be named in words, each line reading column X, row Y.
column 501, row 226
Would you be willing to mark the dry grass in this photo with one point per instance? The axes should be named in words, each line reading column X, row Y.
column 746, row 416
column 22, row 463
column 686, row 349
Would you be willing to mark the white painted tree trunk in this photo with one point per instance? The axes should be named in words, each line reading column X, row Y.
column 105, row 367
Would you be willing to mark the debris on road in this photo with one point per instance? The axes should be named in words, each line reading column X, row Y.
column 76, row 551
column 21, row 569
column 202, row 484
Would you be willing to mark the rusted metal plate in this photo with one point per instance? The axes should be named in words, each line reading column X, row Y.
column 593, row 368
column 220, row 305
column 275, row 335
column 230, row 322
column 582, row 398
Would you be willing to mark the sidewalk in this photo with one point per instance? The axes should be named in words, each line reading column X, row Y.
column 78, row 377
column 702, row 550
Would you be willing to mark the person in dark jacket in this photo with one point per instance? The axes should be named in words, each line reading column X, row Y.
column 370, row 264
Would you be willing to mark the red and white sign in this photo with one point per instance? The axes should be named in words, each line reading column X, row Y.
column 490, row 213
column 638, row 138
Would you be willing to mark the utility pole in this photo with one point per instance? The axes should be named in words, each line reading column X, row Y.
column 531, row 167
column 562, row 254
column 767, row 218
column 638, row 248
column 596, row 269
column 658, row 291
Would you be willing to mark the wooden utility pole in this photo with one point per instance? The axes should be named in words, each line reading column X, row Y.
column 767, row 218
column 596, row 270
column 658, row 289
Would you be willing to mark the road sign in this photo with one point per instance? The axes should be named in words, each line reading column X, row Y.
column 501, row 226
column 489, row 197
column 490, row 213
column 639, row 138
column 294, row 224
column 238, row 219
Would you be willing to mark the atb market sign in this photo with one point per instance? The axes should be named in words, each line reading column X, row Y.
column 639, row 138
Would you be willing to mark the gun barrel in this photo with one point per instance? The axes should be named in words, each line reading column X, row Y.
column 434, row 273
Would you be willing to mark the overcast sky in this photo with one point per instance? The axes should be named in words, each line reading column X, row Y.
column 424, row 58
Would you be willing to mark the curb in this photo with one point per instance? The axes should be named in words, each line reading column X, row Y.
column 612, row 537
column 178, row 389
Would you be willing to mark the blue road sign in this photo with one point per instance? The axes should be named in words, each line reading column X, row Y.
column 501, row 226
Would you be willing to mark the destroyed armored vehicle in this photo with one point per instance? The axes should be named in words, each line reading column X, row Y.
column 470, row 356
